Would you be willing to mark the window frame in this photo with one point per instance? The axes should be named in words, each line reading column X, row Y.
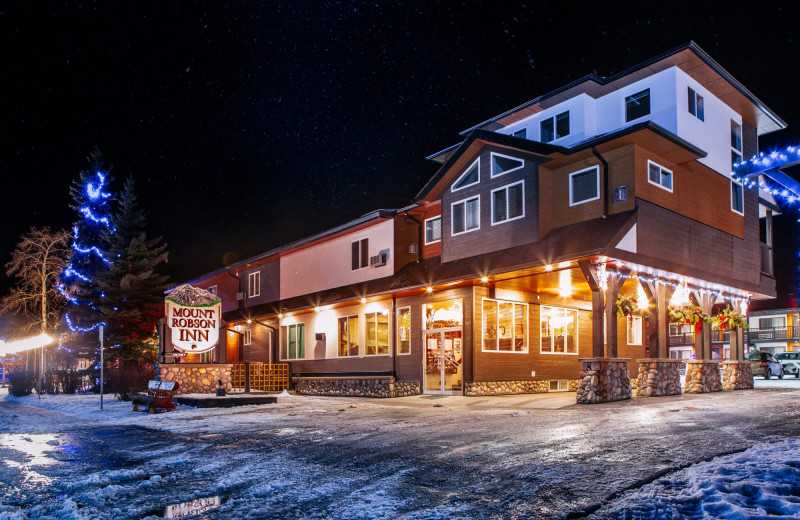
column 367, row 316
column 662, row 169
column 255, row 275
column 630, row 327
column 363, row 254
column 736, row 130
column 554, row 120
column 649, row 104
column 347, row 319
column 596, row 169
column 521, row 133
column 466, row 171
column 284, row 356
column 575, row 333
column 453, row 220
column 439, row 217
column 695, row 100
column 506, row 187
column 247, row 337
column 398, row 326
column 741, row 197
column 526, row 346
column 492, row 155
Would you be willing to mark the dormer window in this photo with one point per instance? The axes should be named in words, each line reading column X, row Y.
column 504, row 164
column 555, row 127
column 696, row 107
column 637, row 105
column 469, row 177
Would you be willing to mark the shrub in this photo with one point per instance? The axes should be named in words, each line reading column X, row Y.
column 129, row 378
column 21, row 383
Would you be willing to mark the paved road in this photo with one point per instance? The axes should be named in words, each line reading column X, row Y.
column 421, row 457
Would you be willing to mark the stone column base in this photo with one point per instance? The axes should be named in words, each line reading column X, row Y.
column 737, row 375
column 702, row 376
column 659, row 376
column 195, row 378
column 603, row 380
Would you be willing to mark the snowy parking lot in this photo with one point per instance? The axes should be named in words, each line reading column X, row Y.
column 727, row 454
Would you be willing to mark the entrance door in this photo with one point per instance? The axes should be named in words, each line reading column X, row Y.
column 444, row 354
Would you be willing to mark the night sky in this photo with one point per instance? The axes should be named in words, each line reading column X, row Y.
column 247, row 125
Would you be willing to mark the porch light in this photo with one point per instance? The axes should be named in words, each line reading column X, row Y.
column 485, row 279
column 548, row 267
column 363, row 300
column 280, row 315
column 317, row 309
column 249, row 321
column 429, row 290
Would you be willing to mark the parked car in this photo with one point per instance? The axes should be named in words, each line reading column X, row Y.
column 790, row 362
column 765, row 365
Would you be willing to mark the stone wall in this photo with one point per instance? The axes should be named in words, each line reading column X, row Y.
column 195, row 378
column 603, row 380
column 356, row 386
column 737, row 375
column 658, row 376
column 702, row 376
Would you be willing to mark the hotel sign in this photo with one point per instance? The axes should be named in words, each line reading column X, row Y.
column 194, row 325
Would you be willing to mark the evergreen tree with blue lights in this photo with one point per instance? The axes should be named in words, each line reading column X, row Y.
column 92, row 200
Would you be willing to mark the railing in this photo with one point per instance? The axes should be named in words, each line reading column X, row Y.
column 773, row 333
column 264, row 377
column 766, row 260
column 686, row 338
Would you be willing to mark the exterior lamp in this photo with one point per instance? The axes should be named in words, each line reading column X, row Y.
column 485, row 279
column 429, row 290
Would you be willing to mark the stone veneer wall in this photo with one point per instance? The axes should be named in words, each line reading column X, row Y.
column 603, row 380
column 737, row 375
column 476, row 388
column 356, row 386
column 658, row 376
column 195, row 378
column 702, row 376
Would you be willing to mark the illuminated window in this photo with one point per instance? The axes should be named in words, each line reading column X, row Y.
column 466, row 215
column 248, row 337
column 508, row 203
column 433, row 230
column 470, row 177
column 293, row 341
column 505, row 326
column 558, row 330
column 555, row 127
column 504, row 164
column 254, row 284
column 634, row 330
column 377, row 336
column 659, row 176
column 637, row 105
column 348, row 336
column 359, row 254
column 404, row 330
column 584, row 186
column 696, row 107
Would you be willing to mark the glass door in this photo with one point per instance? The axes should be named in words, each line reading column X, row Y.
column 444, row 355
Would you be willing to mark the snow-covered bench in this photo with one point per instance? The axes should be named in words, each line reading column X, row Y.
column 158, row 397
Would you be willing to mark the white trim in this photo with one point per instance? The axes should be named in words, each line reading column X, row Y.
column 576, row 332
column 452, row 220
column 492, row 174
column 671, row 175
column 527, row 326
column 360, row 267
column 596, row 168
column 425, row 223
column 629, row 321
column 397, row 325
column 625, row 104
column 285, row 337
column 453, row 186
column 358, row 335
column 247, row 337
column 389, row 324
column 555, row 127
column 742, row 193
column 506, row 189
column 250, row 284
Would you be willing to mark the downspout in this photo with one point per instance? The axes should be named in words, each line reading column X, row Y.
column 238, row 287
column 605, row 180
column 419, row 235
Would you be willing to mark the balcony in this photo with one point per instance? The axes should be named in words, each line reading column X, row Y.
column 773, row 334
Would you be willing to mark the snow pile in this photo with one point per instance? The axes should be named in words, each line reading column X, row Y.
column 761, row 482
column 188, row 295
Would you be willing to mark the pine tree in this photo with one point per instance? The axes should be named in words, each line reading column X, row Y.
column 92, row 202
column 133, row 288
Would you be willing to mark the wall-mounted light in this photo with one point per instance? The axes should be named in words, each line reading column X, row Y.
column 548, row 267
column 485, row 279
column 429, row 290
column 249, row 321
column 363, row 300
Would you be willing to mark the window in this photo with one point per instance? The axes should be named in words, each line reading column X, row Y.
column 637, row 105
column 348, row 336
column 466, row 215
column 377, row 333
column 584, row 186
column 469, row 177
column 508, row 203
column 558, row 330
column 634, row 330
column 433, row 230
column 696, row 107
column 404, row 330
column 736, row 143
column 254, row 284
column 293, row 341
column 522, row 133
column 554, row 128
column 504, row 164
column 212, row 289
column 737, row 197
column 659, row 176
column 359, row 254
column 505, row 326
column 247, row 336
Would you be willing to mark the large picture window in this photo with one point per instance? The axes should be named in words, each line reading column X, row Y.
column 466, row 215
column 293, row 341
column 377, row 333
column 404, row 330
column 584, row 186
column 505, row 326
column 508, row 203
column 254, row 284
column 348, row 336
column 559, row 330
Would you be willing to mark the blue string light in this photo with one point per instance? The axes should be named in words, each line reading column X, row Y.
column 744, row 171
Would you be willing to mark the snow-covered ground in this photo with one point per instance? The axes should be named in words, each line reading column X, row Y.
column 723, row 455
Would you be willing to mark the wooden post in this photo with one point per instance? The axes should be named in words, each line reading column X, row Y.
column 614, row 285
column 705, row 301
column 590, row 273
column 660, row 294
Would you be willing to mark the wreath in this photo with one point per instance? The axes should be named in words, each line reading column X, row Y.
column 626, row 306
column 689, row 315
column 730, row 319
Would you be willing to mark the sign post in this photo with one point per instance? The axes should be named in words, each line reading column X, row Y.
column 102, row 363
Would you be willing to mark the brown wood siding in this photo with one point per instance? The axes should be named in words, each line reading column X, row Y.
column 270, row 283
column 232, row 347
column 431, row 210
column 258, row 350
column 406, row 232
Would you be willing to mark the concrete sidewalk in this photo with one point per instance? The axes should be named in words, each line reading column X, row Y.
column 544, row 401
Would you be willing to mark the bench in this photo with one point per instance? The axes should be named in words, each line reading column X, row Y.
column 158, row 397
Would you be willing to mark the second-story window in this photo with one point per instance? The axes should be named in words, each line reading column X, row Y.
column 502, row 164
column 555, row 127
column 471, row 176
column 508, row 203
column 433, row 229
column 737, row 197
column 736, row 143
column 584, row 186
column 248, row 337
column 637, row 105
column 658, row 175
column 521, row 133
column 466, row 215
column 696, row 107
column 254, row 284
column 359, row 254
